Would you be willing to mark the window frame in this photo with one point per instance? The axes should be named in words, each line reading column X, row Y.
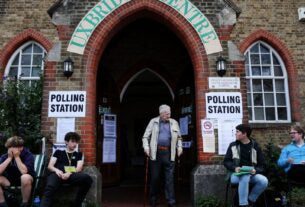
column 249, row 78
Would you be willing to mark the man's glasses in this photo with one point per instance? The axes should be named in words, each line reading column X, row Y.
column 293, row 133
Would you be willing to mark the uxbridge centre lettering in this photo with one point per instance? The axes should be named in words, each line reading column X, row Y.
column 103, row 8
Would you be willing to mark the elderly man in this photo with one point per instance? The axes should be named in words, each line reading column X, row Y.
column 161, row 141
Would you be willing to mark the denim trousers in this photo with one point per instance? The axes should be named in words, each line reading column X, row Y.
column 165, row 165
column 257, row 182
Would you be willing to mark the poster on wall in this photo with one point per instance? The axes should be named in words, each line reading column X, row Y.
column 226, row 133
column 110, row 125
column 67, row 104
column 64, row 125
column 183, row 122
column 109, row 150
column 208, row 136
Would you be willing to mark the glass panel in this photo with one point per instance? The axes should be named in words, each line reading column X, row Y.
column 254, row 48
column 282, row 113
column 28, row 49
column 36, row 71
column 275, row 60
column 25, row 71
column 26, row 60
column 269, row 99
column 264, row 49
column 279, row 86
column 268, row 85
column 258, row 99
column 255, row 59
column 247, row 70
column 259, row 114
column 256, row 71
column 266, row 59
column 16, row 60
column 37, row 49
column 249, row 101
column 13, row 72
column 248, row 85
column 266, row 71
column 280, row 99
column 37, row 60
column 257, row 85
column 247, row 58
column 250, row 113
column 270, row 113
column 278, row 71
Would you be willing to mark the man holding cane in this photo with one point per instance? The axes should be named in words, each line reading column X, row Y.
column 161, row 141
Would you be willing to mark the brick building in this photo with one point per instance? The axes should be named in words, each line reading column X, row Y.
column 131, row 56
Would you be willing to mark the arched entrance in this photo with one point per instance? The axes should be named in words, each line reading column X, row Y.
column 144, row 65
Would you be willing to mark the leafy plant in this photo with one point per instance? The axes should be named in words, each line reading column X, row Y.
column 209, row 201
column 20, row 111
column 297, row 196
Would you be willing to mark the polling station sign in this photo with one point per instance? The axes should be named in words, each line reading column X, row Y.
column 222, row 105
column 67, row 104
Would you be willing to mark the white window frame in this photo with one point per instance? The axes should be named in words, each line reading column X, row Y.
column 250, row 78
column 19, row 52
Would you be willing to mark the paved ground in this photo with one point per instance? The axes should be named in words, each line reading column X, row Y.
column 133, row 196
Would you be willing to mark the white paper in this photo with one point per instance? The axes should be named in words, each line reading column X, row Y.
column 64, row 125
column 109, row 150
column 184, row 125
column 226, row 133
column 208, row 136
column 110, row 125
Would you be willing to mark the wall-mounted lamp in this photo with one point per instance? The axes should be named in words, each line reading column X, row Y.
column 221, row 66
column 68, row 67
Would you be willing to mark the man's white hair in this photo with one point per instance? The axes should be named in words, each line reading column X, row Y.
column 164, row 108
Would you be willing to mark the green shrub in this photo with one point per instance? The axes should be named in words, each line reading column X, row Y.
column 297, row 196
column 209, row 201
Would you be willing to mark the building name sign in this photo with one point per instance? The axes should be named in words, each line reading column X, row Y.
column 67, row 104
column 224, row 83
column 102, row 9
column 224, row 105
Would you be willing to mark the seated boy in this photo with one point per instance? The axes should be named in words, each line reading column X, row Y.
column 65, row 167
column 16, row 168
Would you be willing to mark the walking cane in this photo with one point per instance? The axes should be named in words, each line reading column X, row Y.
column 146, row 178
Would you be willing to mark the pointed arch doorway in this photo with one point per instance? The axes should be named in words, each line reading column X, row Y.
column 144, row 65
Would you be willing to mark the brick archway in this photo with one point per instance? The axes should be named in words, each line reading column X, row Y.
column 287, row 57
column 110, row 26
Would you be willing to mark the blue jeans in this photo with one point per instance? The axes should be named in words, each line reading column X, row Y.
column 162, row 163
column 258, row 184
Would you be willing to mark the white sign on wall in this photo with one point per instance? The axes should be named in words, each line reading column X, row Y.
column 224, row 105
column 67, row 104
column 224, row 83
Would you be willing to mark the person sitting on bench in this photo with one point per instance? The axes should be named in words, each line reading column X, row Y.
column 16, row 168
column 292, row 158
column 66, row 167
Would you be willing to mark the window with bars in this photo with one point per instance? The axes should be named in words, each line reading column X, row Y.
column 267, row 85
column 26, row 63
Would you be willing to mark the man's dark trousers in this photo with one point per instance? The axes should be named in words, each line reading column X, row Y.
column 81, row 180
column 164, row 163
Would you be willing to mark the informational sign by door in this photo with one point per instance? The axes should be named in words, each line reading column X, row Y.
column 208, row 136
column 109, row 141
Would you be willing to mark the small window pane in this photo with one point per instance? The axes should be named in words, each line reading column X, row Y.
column 256, row 71
column 278, row 71
column 36, row 72
column 275, row 60
column 16, row 61
column 37, row 60
column 258, row 99
column 257, row 85
column 247, row 70
column 248, row 86
column 28, row 49
column 25, row 71
column 26, row 60
column 254, row 49
column 280, row 99
column 13, row 72
column 37, row 49
column 266, row 59
column 269, row 99
column 264, row 49
column 249, row 100
column 250, row 113
column 266, row 71
column 279, row 86
column 270, row 113
column 268, row 85
column 255, row 59
column 247, row 58
column 259, row 114
column 282, row 113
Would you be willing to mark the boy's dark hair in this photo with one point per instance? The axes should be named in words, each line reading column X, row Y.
column 14, row 141
column 244, row 128
column 72, row 136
